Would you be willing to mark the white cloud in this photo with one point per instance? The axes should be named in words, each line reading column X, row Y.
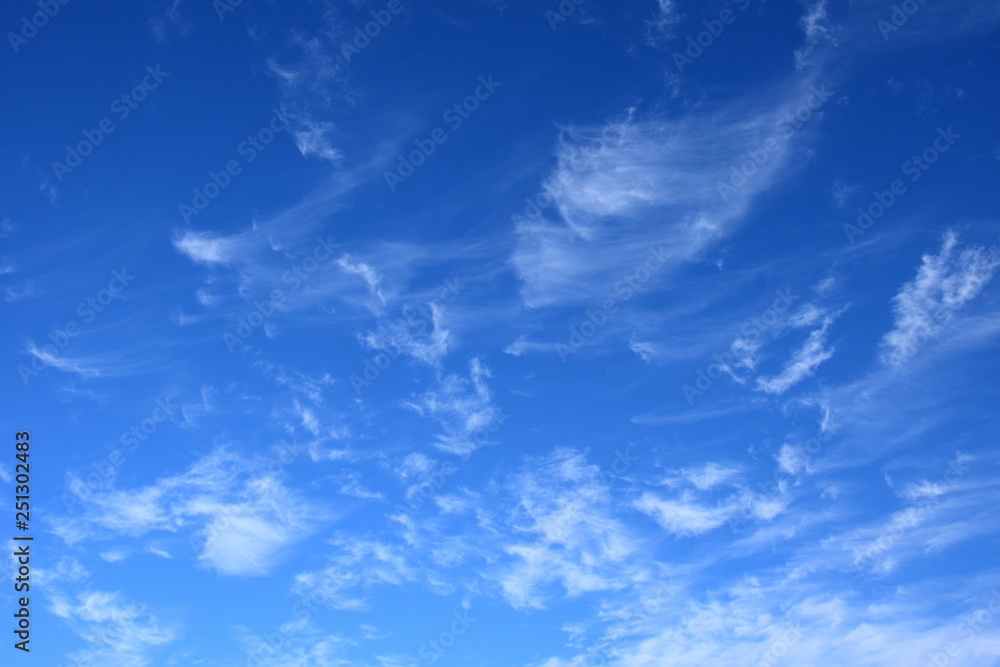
column 464, row 408
column 412, row 337
column 114, row 556
column 242, row 521
column 81, row 367
column 246, row 541
column 65, row 570
column 117, row 632
column 13, row 294
column 944, row 284
column 308, row 417
column 706, row 477
column 683, row 516
column 208, row 248
column 521, row 346
column 413, row 465
column 792, row 459
column 645, row 351
column 312, row 139
column 366, row 272
column 803, row 363
column 659, row 27
column 357, row 563
column 635, row 183
column 758, row 623
column 815, row 26
column 564, row 532
column 305, row 646
column 710, row 496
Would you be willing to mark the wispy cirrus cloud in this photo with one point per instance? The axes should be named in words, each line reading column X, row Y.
column 363, row 271
column 944, row 284
column 664, row 171
column 803, row 362
column 115, row 630
column 464, row 408
column 240, row 519
column 705, row 477
column 314, row 139
column 358, row 566
column 563, row 534
column 683, row 515
column 87, row 368
column 208, row 248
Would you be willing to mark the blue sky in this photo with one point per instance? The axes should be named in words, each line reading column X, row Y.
column 503, row 333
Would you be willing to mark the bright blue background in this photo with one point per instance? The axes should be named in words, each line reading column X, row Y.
column 281, row 471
